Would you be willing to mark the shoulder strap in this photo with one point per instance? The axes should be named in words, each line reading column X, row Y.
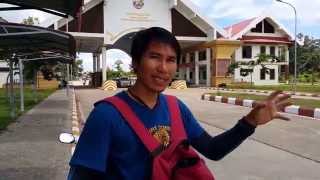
column 138, row 127
column 177, row 127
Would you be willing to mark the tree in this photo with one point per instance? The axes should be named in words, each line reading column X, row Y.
column 31, row 21
column 247, row 68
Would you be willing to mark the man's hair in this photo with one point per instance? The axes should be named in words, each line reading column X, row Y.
column 144, row 38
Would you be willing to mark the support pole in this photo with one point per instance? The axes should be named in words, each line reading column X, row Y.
column 68, row 71
column 21, row 85
column 12, row 103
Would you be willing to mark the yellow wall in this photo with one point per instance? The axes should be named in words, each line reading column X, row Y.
column 222, row 49
column 45, row 84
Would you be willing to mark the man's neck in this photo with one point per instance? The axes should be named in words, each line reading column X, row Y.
column 148, row 97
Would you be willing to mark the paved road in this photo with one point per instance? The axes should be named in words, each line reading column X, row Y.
column 30, row 150
column 278, row 151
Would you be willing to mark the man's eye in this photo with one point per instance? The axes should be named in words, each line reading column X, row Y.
column 172, row 60
column 154, row 56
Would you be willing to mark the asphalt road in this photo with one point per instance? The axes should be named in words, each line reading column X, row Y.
column 280, row 150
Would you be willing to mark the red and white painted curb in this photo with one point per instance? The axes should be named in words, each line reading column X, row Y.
column 293, row 109
column 262, row 91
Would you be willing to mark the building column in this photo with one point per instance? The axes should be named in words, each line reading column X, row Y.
column 196, row 57
column 188, row 68
column 208, row 55
column 94, row 64
column 104, row 64
column 98, row 62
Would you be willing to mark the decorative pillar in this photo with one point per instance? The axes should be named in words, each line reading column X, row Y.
column 94, row 65
column 196, row 57
column 104, row 64
column 98, row 63
column 188, row 68
column 208, row 57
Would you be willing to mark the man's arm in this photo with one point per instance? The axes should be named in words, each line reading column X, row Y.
column 215, row 148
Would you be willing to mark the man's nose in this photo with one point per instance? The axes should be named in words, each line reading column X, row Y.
column 163, row 66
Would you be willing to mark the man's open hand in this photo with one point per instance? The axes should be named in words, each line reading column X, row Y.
column 268, row 109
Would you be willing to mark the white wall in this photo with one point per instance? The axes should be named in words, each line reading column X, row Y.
column 256, row 76
column 121, row 17
column 256, row 51
column 3, row 78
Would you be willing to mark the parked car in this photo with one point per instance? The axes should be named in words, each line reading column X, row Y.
column 123, row 82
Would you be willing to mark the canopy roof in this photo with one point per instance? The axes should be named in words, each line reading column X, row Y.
column 58, row 7
column 25, row 39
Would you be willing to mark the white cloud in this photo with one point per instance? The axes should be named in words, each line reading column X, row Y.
column 18, row 16
column 308, row 12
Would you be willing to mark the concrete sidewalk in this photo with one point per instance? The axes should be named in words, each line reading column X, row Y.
column 29, row 148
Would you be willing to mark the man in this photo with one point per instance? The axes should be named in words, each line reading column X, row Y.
column 109, row 149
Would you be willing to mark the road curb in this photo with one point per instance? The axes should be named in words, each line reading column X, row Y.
column 293, row 109
column 76, row 120
column 262, row 91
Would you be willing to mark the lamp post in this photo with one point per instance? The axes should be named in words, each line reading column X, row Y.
column 295, row 42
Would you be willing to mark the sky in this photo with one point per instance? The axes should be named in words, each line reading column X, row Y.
column 223, row 13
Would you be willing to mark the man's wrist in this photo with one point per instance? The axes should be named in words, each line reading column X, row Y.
column 249, row 121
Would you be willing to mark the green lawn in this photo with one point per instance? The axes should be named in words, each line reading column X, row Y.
column 300, row 87
column 307, row 103
column 29, row 103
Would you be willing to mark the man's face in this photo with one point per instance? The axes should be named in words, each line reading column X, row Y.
column 157, row 66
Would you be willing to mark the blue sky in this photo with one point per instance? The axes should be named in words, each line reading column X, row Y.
column 223, row 13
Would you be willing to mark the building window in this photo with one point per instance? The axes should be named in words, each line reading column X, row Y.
column 192, row 57
column 282, row 53
column 272, row 51
column 204, row 74
column 183, row 59
column 202, row 55
column 262, row 50
column 262, row 74
column 258, row 28
column 247, row 52
column 272, row 74
column 268, row 28
column 191, row 75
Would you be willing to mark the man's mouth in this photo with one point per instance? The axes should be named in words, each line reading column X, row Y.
column 160, row 80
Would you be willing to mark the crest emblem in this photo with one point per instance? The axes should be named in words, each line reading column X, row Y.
column 138, row 4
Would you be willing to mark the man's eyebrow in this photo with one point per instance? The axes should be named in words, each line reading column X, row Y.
column 154, row 53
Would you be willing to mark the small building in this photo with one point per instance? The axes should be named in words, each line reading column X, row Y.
column 261, row 35
column 4, row 68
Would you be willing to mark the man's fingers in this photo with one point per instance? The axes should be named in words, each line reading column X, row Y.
column 283, row 104
column 260, row 105
column 279, row 116
column 274, row 94
column 283, row 97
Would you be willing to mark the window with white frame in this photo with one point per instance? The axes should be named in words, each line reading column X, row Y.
column 202, row 55
column 246, row 52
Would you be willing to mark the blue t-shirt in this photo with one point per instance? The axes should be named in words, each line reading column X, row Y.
column 108, row 144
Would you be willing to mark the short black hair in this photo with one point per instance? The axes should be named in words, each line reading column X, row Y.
column 143, row 39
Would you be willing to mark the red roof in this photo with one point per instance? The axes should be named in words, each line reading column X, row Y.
column 236, row 28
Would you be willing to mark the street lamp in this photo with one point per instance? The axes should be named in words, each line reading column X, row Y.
column 295, row 42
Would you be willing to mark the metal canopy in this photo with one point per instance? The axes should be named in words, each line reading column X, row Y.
column 61, row 8
column 21, row 39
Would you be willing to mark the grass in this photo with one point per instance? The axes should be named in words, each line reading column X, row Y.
column 308, row 88
column 5, row 118
column 306, row 103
